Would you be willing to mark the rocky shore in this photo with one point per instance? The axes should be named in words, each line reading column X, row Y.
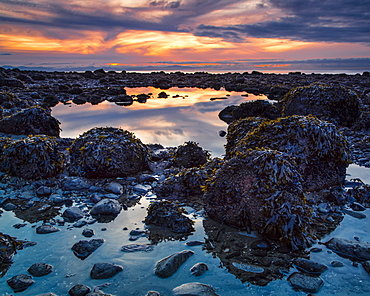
column 283, row 175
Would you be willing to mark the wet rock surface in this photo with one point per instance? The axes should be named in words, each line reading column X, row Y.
column 21, row 282
column 197, row 289
column 40, row 269
column 306, row 283
column 168, row 266
column 105, row 270
column 84, row 248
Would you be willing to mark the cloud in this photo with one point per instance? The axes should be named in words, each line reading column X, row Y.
column 311, row 20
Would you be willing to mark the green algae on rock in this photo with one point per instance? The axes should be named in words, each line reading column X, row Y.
column 190, row 155
column 108, row 152
column 33, row 157
column 260, row 190
column 320, row 150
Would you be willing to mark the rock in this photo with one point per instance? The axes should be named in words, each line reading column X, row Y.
column 306, row 283
column 33, row 157
column 106, row 207
column 79, row 290
column 153, row 293
column 320, row 150
column 336, row 263
column 258, row 108
column 190, row 155
column 31, row 121
column 84, row 248
column 261, row 191
column 73, row 214
column 194, row 289
column 199, row 269
column 44, row 229
column 9, row 246
column 142, row 188
column 354, row 214
column 40, row 269
column 332, row 103
column 168, row 215
column 354, row 250
column 222, row 133
column 75, row 184
column 46, row 294
column 108, row 152
column 137, row 248
column 114, row 188
column 104, row 270
column 194, row 243
column 308, row 266
column 88, row 232
column 20, row 283
column 43, row 191
column 366, row 266
column 169, row 265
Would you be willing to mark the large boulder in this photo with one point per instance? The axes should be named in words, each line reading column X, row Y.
column 261, row 191
column 333, row 103
column 320, row 150
column 108, row 152
column 33, row 157
column 30, row 121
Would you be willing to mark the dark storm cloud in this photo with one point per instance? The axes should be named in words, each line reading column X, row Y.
column 311, row 20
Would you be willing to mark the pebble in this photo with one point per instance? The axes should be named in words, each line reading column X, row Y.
column 194, row 289
column 114, row 187
column 106, row 207
column 44, row 229
column 169, row 265
column 84, row 248
column 40, row 269
column 43, row 191
column 73, row 214
column 20, row 282
column 142, row 188
column 336, row 264
column 194, row 243
column 137, row 248
column 105, row 270
column 309, row 266
column 305, row 282
column 199, row 269
column 88, row 232
column 79, row 290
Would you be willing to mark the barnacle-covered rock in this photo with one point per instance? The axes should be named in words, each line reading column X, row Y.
column 190, row 155
column 31, row 121
column 108, row 152
column 238, row 129
column 333, row 103
column 258, row 108
column 260, row 190
column 168, row 215
column 320, row 150
column 33, row 157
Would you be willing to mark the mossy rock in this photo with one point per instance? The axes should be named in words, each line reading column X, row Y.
column 320, row 150
column 190, row 155
column 31, row 121
column 108, row 152
column 33, row 157
column 333, row 103
column 260, row 190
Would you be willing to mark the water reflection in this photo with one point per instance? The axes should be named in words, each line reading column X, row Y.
column 188, row 114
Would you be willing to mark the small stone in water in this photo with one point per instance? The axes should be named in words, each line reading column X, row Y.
column 336, row 264
column 316, row 250
column 20, row 282
column 194, row 243
column 199, row 269
column 88, row 232
column 43, row 229
column 40, row 269
column 79, row 290
column 306, row 283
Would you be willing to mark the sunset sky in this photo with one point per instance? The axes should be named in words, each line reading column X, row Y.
column 188, row 35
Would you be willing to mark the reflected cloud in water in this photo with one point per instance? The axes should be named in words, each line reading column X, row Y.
column 188, row 114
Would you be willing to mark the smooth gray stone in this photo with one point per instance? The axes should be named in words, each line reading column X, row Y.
column 305, row 282
column 194, row 289
column 169, row 265
column 44, row 229
column 105, row 270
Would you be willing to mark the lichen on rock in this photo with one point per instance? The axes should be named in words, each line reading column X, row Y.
column 108, row 152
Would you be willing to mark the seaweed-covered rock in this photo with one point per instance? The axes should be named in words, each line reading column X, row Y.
column 190, row 155
column 333, row 103
column 261, row 190
column 168, row 215
column 108, row 152
column 258, row 108
column 187, row 182
column 320, row 150
column 33, row 157
column 9, row 100
column 8, row 247
column 31, row 121
column 238, row 129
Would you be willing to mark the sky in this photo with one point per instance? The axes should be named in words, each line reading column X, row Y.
column 186, row 35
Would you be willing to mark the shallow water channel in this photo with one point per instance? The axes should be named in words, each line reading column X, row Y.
column 171, row 122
